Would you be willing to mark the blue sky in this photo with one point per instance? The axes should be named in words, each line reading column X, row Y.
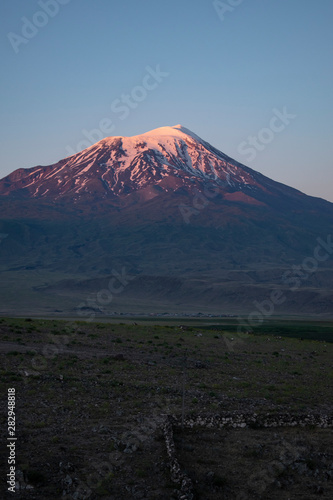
column 228, row 69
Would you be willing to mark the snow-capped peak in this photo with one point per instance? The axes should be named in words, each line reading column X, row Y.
column 169, row 158
column 176, row 131
column 160, row 133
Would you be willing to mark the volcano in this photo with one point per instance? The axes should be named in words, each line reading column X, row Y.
column 194, row 229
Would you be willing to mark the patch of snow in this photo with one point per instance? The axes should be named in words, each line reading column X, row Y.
column 84, row 170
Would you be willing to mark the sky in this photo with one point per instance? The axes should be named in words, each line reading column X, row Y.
column 251, row 77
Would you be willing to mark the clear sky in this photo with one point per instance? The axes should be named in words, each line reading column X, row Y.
column 252, row 77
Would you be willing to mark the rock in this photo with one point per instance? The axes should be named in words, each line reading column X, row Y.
column 68, row 481
column 200, row 364
column 29, row 373
column 301, row 468
column 130, row 448
column 119, row 357
column 188, row 447
column 138, row 493
column 20, row 476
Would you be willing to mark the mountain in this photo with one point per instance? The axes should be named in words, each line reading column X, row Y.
column 167, row 159
column 194, row 229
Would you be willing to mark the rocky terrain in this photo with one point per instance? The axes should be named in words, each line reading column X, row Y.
column 100, row 410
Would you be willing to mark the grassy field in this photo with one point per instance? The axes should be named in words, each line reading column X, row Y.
column 297, row 329
column 91, row 398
